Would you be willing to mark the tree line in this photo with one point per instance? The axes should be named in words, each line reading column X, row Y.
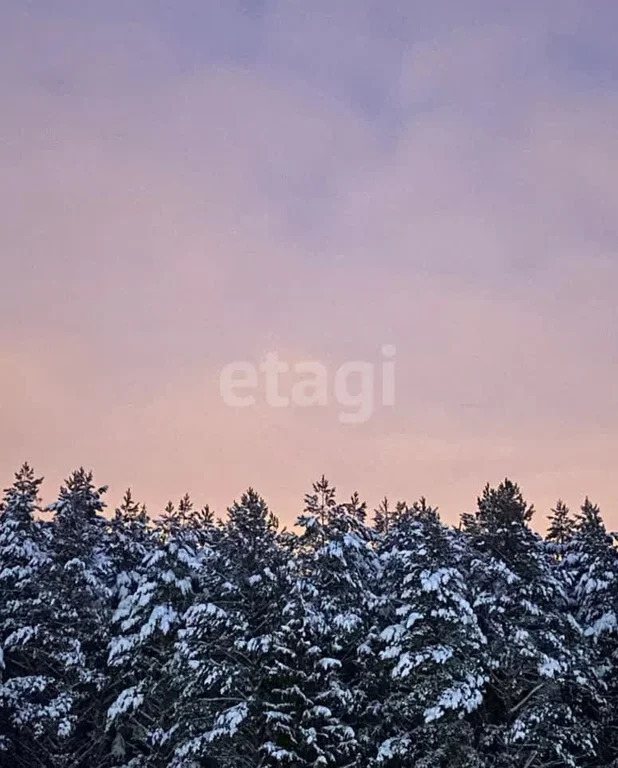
column 384, row 640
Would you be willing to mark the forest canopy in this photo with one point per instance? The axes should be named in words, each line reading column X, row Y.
column 359, row 638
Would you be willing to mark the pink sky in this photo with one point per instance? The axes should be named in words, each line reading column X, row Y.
column 185, row 188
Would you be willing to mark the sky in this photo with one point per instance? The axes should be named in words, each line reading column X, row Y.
column 190, row 184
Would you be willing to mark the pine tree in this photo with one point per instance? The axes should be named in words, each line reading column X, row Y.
column 78, row 598
column 432, row 648
column 26, row 689
column 332, row 607
column 66, row 636
column 590, row 570
column 131, row 522
column 560, row 529
column 233, row 651
column 540, row 702
column 200, row 522
column 593, row 561
column 130, row 539
column 145, row 627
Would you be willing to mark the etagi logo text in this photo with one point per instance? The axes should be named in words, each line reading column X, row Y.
column 357, row 386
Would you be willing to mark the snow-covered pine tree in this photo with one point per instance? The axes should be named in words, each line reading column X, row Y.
column 590, row 570
column 199, row 522
column 386, row 516
column 592, row 562
column 145, row 625
column 233, row 654
column 560, row 529
column 26, row 689
column 77, row 595
column 539, row 706
column 331, row 611
column 130, row 538
column 431, row 649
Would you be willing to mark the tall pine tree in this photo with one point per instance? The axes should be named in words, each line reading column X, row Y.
column 540, row 703
column 27, row 691
column 233, row 651
column 432, row 648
